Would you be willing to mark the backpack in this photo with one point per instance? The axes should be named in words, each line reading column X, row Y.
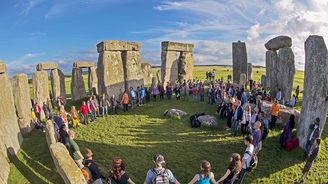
column 87, row 174
column 253, row 163
column 161, row 178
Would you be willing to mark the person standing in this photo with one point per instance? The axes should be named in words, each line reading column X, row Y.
column 132, row 98
column 38, row 111
column 117, row 173
column 247, row 114
column 75, row 117
column 104, row 105
column 92, row 109
column 74, row 149
column 297, row 92
column 232, row 171
column 46, row 110
column 205, row 175
column 142, row 95
column 279, row 96
column 92, row 166
column 85, row 111
column 274, row 114
column 314, row 134
column 248, row 154
column 96, row 105
column 237, row 117
column 125, row 101
column 257, row 137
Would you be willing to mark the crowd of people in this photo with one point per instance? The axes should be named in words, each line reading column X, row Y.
column 240, row 107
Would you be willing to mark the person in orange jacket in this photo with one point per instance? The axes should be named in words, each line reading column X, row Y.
column 274, row 114
column 125, row 101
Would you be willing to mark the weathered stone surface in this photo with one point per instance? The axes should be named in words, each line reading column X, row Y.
column 50, row 133
column 40, row 87
column 77, row 84
column 175, row 113
column 239, row 60
column 208, row 121
column 189, row 65
column 169, row 66
column 263, row 81
column 46, row 66
column 57, row 79
column 243, row 79
column 315, row 93
column 133, row 75
column 10, row 133
column 65, row 165
column 147, row 74
column 83, row 64
column 175, row 46
column 278, row 42
column 271, row 58
column 22, row 98
column 286, row 72
column 110, row 73
column 3, row 67
column 5, row 167
column 249, row 71
column 115, row 45
column 284, row 113
column 153, row 81
column 93, row 80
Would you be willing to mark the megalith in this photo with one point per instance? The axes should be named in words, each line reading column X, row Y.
column 57, row 79
column 40, row 88
column 249, row 71
column 239, row 60
column 278, row 42
column 5, row 167
column 46, row 66
column 147, row 74
column 9, row 132
column 77, row 84
column 315, row 93
column 22, row 98
column 133, row 75
column 177, row 62
column 93, row 80
column 286, row 72
column 264, row 81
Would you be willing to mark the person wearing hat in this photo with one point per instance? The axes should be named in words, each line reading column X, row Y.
column 93, row 168
column 314, row 134
column 159, row 174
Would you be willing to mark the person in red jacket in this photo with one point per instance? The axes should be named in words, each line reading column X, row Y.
column 85, row 111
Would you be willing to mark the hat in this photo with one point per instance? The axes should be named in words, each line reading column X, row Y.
column 159, row 159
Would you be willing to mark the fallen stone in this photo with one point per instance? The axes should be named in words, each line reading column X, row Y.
column 208, row 121
column 83, row 64
column 175, row 113
column 46, row 66
column 278, row 43
column 315, row 93
column 284, row 114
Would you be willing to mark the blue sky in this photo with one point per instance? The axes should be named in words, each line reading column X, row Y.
column 63, row 31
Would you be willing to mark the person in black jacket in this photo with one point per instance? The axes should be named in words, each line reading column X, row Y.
column 237, row 117
column 93, row 168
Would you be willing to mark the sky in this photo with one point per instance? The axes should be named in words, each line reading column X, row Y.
column 62, row 31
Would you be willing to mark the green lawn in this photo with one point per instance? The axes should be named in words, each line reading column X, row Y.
column 138, row 135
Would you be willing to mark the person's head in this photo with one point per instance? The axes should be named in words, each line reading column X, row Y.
column 90, row 98
column 248, row 108
column 83, row 103
column 257, row 125
column 73, row 108
column 131, row 88
column 32, row 109
column 279, row 89
column 235, row 162
column 205, row 168
column 248, row 140
column 88, row 153
column 63, row 127
column 71, row 134
column 317, row 121
column 118, row 165
column 159, row 160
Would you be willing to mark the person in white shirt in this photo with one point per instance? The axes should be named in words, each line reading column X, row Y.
column 279, row 95
column 248, row 154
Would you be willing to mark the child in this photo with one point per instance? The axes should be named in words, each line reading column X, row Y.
column 75, row 117
column 93, row 168
column 205, row 175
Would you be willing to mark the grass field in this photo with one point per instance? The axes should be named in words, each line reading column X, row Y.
column 137, row 135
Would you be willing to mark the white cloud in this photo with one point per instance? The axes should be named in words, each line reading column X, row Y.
column 29, row 5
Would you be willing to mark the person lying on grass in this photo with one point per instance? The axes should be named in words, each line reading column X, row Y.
column 205, row 175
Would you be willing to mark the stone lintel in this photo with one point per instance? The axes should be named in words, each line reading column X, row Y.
column 83, row 64
column 176, row 46
column 116, row 45
column 46, row 66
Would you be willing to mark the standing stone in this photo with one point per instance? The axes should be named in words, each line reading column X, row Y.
column 5, row 167
column 315, row 94
column 242, row 80
column 3, row 67
column 62, row 84
column 55, row 83
column 110, row 73
column 41, row 88
column 271, row 71
column 264, row 81
column 10, row 133
column 169, row 66
column 147, row 74
column 249, row 71
column 77, row 84
column 278, row 43
column 189, row 66
column 286, row 72
column 133, row 76
column 22, row 98
column 153, row 81
column 239, row 60
column 93, row 80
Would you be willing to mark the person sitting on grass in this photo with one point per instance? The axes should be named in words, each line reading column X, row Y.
column 84, row 111
column 117, row 173
column 248, row 154
column 74, row 149
column 205, row 175
column 35, row 121
column 233, row 170
column 93, row 168
column 159, row 174
column 75, row 117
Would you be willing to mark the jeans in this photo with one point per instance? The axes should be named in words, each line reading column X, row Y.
column 194, row 97
column 273, row 122
column 104, row 110
column 242, row 175
column 125, row 107
column 235, row 127
column 133, row 103
column 85, row 118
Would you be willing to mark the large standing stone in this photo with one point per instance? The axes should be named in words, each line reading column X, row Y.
column 50, row 133
column 315, row 93
column 22, row 98
column 264, row 81
column 271, row 71
column 153, row 81
column 57, row 79
column 65, row 165
column 239, row 60
column 278, row 42
column 77, row 84
column 10, row 133
column 133, row 75
column 93, row 80
column 249, row 71
column 189, row 64
column 286, row 72
column 41, row 88
column 147, row 74
column 243, row 79
column 5, row 167
column 169, row 67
